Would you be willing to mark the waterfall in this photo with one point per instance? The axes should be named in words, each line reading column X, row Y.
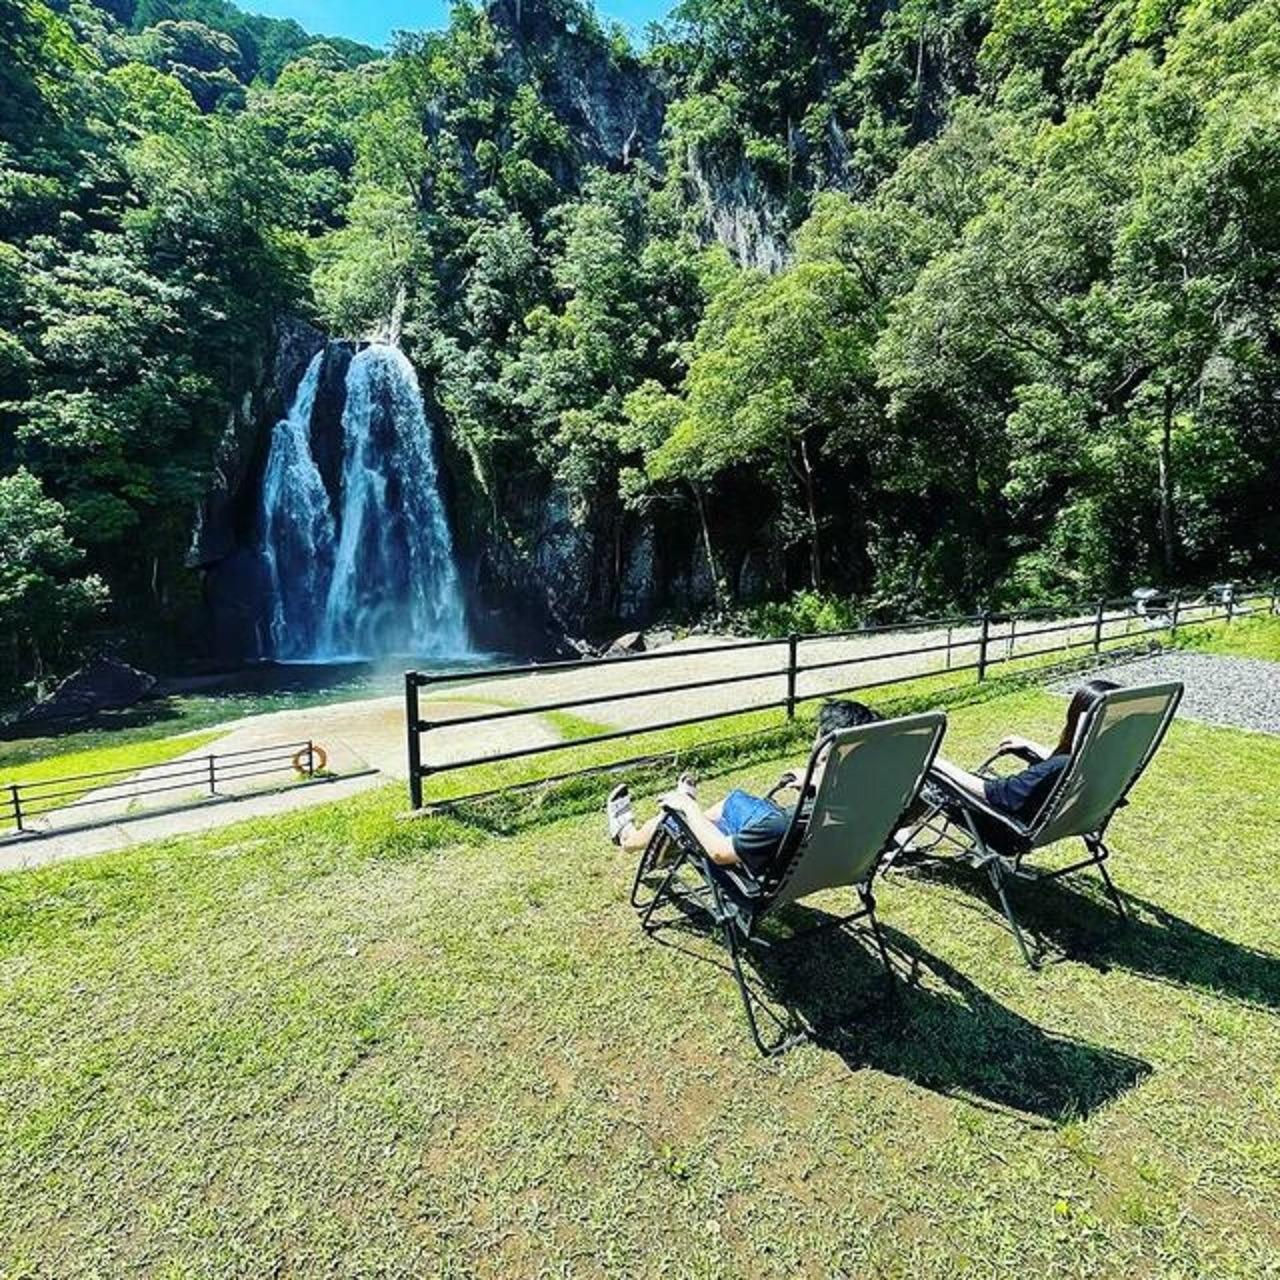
column 297, row 527
column 395, row 585
column 372, row 573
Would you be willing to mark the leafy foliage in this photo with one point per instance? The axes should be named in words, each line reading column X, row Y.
column 1018, row 340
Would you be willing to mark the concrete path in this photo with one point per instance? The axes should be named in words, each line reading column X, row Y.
column 364, row 740
column 62, row 845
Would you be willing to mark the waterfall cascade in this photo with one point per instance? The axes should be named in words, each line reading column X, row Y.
column 368, row 570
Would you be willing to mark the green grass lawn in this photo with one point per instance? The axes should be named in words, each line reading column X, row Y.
column 125, row 755
column 344, row 1044
column 1248, row 638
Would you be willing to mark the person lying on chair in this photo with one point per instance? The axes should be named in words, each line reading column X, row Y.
column 1022, row 795
column 741, row 828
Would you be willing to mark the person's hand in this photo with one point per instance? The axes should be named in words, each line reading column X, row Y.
column 791, row 778
column 1014, row 743
column 678, row 801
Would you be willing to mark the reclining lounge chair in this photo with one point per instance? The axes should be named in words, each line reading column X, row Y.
column 872, row 777
column 1114, row 743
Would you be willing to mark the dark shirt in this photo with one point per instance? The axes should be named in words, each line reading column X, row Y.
column 1022, row 795
column 758, row 840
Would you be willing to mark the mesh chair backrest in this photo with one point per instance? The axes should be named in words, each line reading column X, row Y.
column 873, row 773
column 1114, row 743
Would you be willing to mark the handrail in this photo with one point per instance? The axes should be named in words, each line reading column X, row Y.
column 22, row 801
column 998, row 642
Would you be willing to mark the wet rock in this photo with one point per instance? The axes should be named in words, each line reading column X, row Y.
column 576, row 647
column 105, row 684
column 631, row 642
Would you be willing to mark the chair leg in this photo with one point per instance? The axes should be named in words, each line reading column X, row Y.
column 728, row 933
column 997, row 881
column 657, row 842
column 868, row 901
column 664, row 891
column 784, row 1041
column 1099, row 851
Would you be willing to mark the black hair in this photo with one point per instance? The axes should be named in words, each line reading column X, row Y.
column 844, row 713
column 1085, row 698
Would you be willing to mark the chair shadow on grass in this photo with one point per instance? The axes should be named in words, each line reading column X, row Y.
column 930, row 1025
column 1071, row 921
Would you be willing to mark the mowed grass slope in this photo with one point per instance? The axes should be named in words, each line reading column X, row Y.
column 339, row 1044
column 129, row 755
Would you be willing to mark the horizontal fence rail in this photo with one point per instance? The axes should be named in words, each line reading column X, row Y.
column 982, row 641
column 23, row 802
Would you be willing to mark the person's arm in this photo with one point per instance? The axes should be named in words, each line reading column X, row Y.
column 1015, row 743
column 719, row 847
column 961, row 778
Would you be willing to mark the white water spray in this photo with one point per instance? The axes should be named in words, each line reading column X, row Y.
column 297, row 526
column 378, row 577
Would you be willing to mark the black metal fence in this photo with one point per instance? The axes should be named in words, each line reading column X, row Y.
column 21, row 803
column 982, row 641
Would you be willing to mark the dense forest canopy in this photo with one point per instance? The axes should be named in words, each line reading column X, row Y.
column 926, row 303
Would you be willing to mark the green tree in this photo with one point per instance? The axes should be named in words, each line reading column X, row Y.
column 41, row 601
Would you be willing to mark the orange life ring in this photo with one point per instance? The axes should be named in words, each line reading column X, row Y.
column 315, row 764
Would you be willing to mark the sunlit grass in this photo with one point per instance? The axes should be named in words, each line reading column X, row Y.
column 119, row 760
column 342, row 1043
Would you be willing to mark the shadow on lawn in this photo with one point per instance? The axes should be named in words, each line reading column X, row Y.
column 937, row 1028
column 1153, row 942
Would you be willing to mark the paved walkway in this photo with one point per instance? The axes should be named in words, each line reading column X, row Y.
column 363, row 740
column 60, row 846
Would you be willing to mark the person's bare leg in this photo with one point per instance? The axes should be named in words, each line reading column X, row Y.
column 634, row 838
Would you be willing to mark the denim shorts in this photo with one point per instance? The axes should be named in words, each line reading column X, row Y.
column 740, row 808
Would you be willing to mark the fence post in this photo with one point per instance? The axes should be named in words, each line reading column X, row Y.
column 793, row 645
column 1231, row 602
column 412, row 721
column 1173, row 617
column 1275, row 594
column 1097, row 626
column 17, row 807
column 982, row 645
column 311, row 758
column 213, row 788
column 948, row 646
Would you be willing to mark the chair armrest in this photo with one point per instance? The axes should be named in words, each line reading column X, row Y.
column 790, row 781
column 967, row 800
column 1025, row 754
column 689, row 843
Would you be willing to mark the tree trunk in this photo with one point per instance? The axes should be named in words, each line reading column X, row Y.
column 700, row 501
column 615, row 594
column 815, row 539
column 1168, row 538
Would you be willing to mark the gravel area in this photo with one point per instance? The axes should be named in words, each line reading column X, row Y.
column 1243, row 693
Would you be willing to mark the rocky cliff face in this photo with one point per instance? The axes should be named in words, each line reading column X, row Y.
column 612, row 106
column 219, row 526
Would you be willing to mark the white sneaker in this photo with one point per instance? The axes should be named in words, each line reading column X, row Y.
column 618, row 813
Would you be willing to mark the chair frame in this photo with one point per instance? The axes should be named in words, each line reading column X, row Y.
column 957, row 821
column 736, row 900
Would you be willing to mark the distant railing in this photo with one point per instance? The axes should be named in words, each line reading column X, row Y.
column 23, row 802
column 993, row 641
